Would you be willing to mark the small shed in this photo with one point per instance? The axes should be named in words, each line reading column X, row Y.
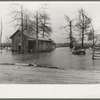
column 29, row 42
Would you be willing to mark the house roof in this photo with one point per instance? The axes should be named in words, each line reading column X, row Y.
column 31, row 35
column 15, row 33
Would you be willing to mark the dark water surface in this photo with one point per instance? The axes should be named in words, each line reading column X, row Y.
column 61, row 58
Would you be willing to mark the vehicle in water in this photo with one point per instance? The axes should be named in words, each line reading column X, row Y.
column 78, row 51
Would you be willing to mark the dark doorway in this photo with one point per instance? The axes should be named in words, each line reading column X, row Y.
column 19, row 48
column 31, row 46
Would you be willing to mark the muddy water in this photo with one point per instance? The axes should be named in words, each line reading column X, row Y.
column 61, row 57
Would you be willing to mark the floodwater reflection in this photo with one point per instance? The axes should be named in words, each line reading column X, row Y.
column 61, row 58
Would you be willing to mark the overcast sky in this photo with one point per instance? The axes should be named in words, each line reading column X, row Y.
column 56, row 11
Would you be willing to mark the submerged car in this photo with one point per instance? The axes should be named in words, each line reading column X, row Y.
column 78, row 51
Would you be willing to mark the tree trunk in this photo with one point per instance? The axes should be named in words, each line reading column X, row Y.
column 93, row 38
column 44, row 27
column 1, row 34
column 22, row 42
column 82, row 38
column 71, row 41
column 26, row 24
column 37, row 30
column 43, row 30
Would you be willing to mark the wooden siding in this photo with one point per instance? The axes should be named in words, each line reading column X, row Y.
column 16, row 40
column 25, row 43
column 44, row 45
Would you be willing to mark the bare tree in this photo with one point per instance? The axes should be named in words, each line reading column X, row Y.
column 1, row 33
column 18, row 20
column 35, row 24
column 92, row 36
column 45, row 26
column 40, row 23
column 27, row 20
column 83, row 24
column 69, row 29
column 37, row 30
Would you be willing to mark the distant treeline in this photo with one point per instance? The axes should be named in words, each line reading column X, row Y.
column 62, row 45
column 86, row 45
column 5, row 45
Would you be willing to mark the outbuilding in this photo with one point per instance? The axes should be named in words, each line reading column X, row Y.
column 29, row 42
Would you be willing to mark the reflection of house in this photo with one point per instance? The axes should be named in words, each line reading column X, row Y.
column 29, row 42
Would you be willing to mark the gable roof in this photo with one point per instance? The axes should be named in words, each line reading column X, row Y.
column 31, row 35
column 15, row 33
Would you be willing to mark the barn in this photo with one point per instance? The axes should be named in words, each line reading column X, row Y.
column 29, row 42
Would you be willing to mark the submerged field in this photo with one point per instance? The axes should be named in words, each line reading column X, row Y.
column 64, row 68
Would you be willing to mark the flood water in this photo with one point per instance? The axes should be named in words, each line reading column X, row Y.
column 61, row 58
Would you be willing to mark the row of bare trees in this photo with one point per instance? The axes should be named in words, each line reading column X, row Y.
column 82, row 24
column 38, row 21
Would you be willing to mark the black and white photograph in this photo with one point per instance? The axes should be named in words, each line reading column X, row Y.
column 49, row 42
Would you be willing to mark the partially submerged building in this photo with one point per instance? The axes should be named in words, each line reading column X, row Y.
column 29, row 42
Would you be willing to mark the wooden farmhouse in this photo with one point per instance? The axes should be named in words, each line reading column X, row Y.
column 29, row 42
